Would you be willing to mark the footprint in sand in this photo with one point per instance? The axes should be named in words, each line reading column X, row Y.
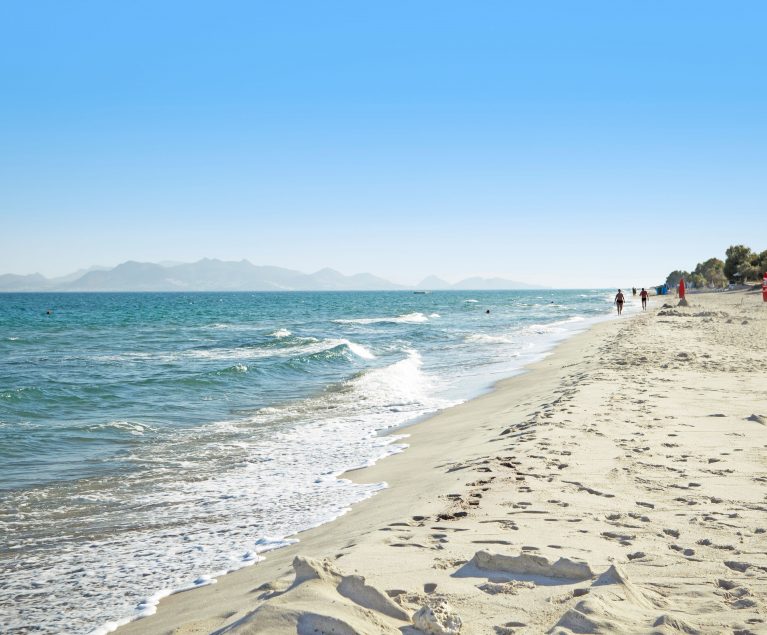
column 492, row 542
column 623, row 539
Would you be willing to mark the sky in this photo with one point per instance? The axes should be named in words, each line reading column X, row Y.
column 569, row 144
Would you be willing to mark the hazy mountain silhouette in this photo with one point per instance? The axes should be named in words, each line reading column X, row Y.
column 32, row 282
column 218, row 275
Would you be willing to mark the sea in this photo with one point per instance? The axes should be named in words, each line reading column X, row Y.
column 151, row 442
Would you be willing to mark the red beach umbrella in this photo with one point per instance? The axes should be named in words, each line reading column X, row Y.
column 681, row 289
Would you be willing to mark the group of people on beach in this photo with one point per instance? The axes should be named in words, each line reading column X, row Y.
column 620, row 299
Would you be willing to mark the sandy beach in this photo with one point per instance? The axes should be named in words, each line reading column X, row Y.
column 618, row 486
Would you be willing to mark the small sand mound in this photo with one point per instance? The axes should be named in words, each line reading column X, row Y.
column 512, row 587
column 534, row 564
column 437, row 620
column 323, row 600
column 758, row 419
column 616, row 575
column 616, row 605
column 670, row 624
column 669, row 311
column 591, row 616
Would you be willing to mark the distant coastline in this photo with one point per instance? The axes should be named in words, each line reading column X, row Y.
column 218, row 275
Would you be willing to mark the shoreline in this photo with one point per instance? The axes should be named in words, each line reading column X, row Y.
column 150, row 559
column 364, row 474
column 589, row 456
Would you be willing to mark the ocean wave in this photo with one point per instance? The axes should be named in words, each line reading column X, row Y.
column 304, row 348
column 18, row 394
column 408, row 318
column 280, row 333
column 398, row 387
column 400, row 383
column 359, row 350
column 471, row 300
column 136, row 429
column 483, row 338
column 295, row 348
column 553, row 327
column 236, row 369
column 221, row 326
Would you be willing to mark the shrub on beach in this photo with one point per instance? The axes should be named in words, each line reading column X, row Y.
column 710, row 273
column 741, row 264
column 674, row 277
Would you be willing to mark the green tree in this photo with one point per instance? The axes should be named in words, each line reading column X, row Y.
column 675, row 276
column 762, row 262
column 738, row 265
column 698, row 280
column 712, row 271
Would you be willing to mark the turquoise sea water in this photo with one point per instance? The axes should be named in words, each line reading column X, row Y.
column 149, row 442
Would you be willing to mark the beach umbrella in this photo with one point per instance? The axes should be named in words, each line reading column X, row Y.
column 681, row 289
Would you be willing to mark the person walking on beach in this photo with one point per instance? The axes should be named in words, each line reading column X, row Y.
column 644, row 295
column 619, row 301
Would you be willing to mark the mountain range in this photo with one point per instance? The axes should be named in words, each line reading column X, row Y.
column 218, row 275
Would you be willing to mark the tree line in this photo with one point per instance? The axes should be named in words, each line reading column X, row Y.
column 741, row 264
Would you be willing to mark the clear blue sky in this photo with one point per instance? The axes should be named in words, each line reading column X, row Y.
column 564, row 143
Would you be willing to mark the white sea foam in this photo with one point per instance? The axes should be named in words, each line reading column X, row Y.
column 434, row 315
column 233, row 327
column 471, row 300
column 308, row 346
column 553, row 327
column 137, row 429
column 303, row 346
column 408, row 318
column 272, row 474
column 484, row 338
column 359, row 350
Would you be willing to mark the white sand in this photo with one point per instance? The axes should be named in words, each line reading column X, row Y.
column 620, row 486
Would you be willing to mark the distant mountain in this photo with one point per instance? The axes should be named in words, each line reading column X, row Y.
column 77, row 274
column 218, row 275
column 139, row 276
column 331, row 279
column 32, row 282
